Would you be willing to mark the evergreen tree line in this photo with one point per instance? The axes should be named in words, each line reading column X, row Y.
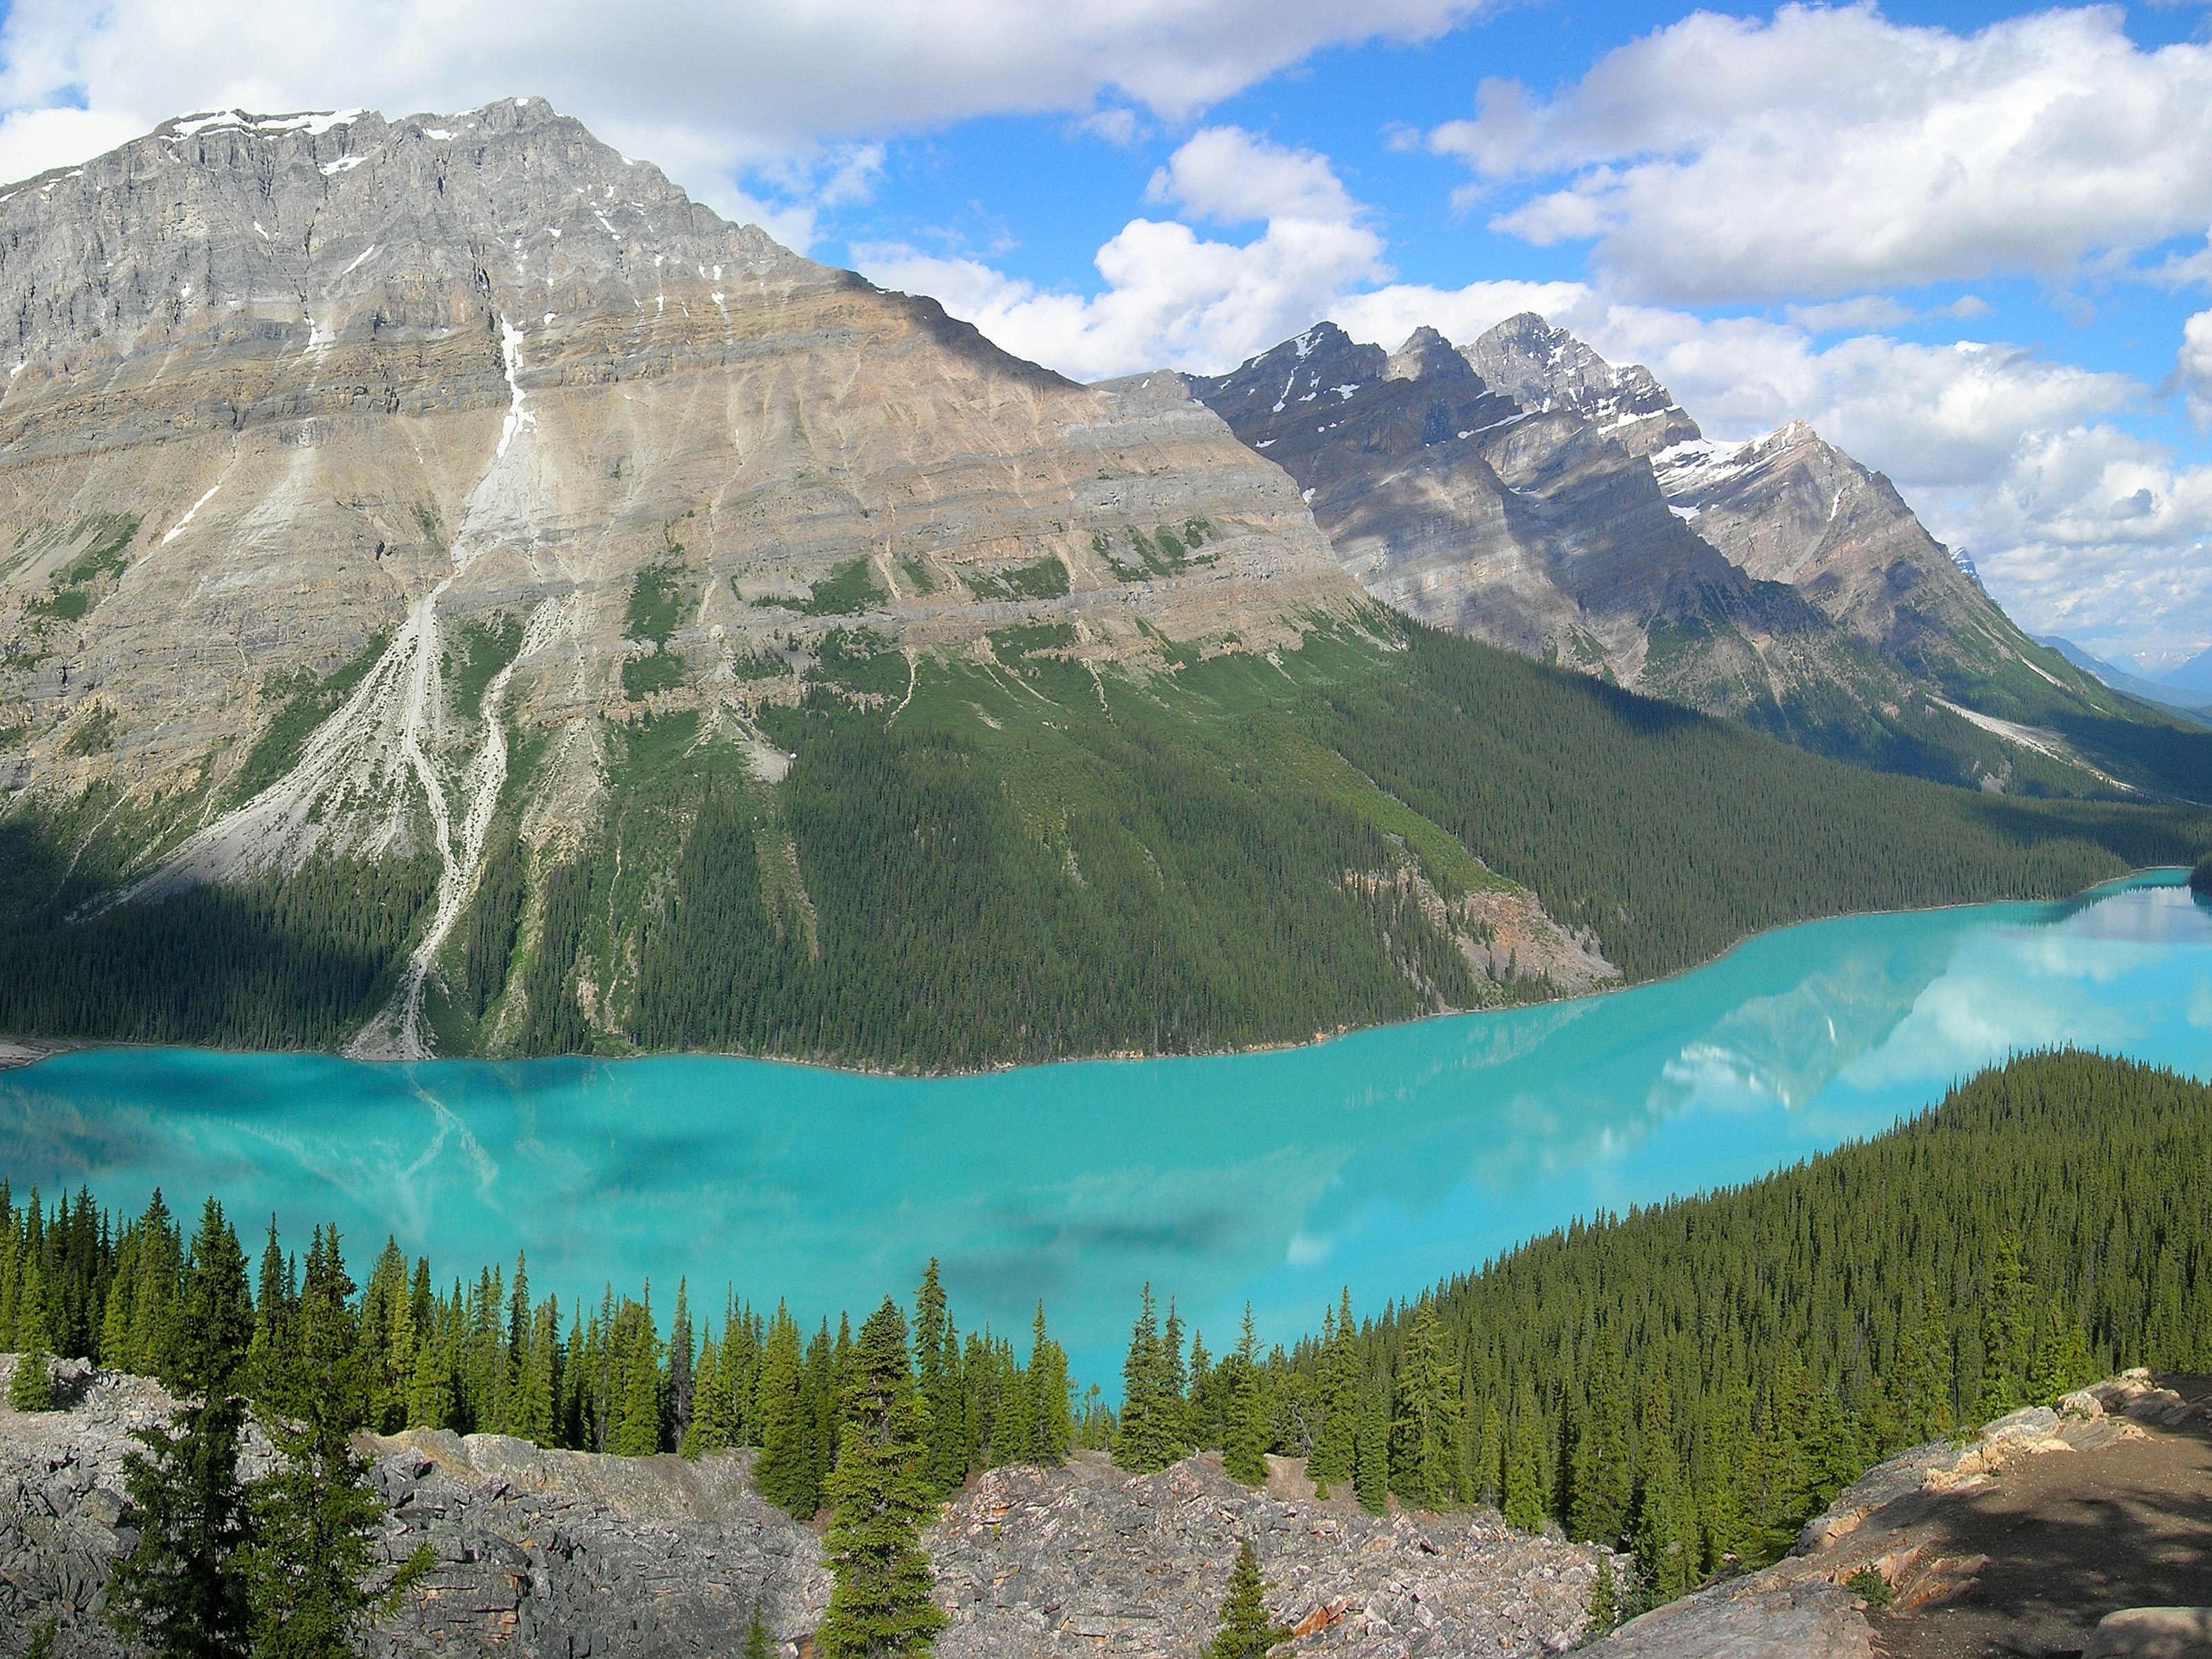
column 485, row 1356
column 1693, row 1381
column 1103, row 865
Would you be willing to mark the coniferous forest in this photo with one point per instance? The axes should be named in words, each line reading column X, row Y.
column 1691, row 1381
column 976, row 863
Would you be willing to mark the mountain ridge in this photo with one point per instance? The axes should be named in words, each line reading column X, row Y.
column 461, row 596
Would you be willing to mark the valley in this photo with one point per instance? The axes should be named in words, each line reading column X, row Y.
column 464, row 598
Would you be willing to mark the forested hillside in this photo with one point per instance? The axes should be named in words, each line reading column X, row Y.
column 977, row 859
column 1701, row 1378
column 1693, row 1381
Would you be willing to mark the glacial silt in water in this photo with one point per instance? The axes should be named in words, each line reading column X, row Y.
column 1383, row 1160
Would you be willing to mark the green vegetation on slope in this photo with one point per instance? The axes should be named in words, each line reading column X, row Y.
column 1015, row 856
column 1672, row 835
column 273, row 962
column 1695, row 1381
column 489, row 1356
column 308, row 701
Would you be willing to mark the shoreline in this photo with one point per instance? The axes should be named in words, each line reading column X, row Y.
column 18, row 1053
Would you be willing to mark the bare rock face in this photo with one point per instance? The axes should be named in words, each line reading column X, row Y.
column 1087, row 1560
column 1543, row 368
column 541, row 1551
column 1503, row 493
column 1792, row 508
column 290, row 392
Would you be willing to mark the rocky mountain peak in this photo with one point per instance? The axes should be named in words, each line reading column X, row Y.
column 1543, row 368
column 1427, row 355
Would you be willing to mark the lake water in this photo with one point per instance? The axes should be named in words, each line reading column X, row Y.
column 1383, row 1160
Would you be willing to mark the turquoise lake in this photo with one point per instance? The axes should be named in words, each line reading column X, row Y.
column 1383, row 1160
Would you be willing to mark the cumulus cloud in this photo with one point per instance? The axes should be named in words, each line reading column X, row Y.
column 2194, row 368
column 1174, row 299
column 727, row 84
column 1831, row 151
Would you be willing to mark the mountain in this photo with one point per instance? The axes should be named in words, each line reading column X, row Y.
column 2135, row 686
column 2194, row 674
column 1526, row 492
column 459, row 595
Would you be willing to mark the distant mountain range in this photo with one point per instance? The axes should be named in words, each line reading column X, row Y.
column 2170, row 694
column 458, row 595
column 1524, row 491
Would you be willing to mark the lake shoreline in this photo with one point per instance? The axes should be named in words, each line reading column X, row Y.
column 17, row 1052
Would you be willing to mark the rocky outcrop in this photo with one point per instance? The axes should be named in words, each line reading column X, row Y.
column 1889, row 1525
column 546, row 1552
column 1086, row 1560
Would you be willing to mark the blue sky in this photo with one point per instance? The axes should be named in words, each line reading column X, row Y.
column 1969, row 243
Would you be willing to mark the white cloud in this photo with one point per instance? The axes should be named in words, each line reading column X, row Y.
column 1173, row 299
column 1829, row 151
column 738, row 81
column 34, row 140
column 2194, row 368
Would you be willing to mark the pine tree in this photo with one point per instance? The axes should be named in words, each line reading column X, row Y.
column 179, row 1592
column 32, row 1387
column 1246, row 1630
column 757, row 1639
column 785, row 1473
column 880, row 1500
column 1247, row 1432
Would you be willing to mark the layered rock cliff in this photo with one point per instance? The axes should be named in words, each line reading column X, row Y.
column 1524, row 491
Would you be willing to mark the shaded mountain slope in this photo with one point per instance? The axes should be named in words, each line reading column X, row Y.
column 1526, row 492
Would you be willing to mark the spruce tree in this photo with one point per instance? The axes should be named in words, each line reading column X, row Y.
column 1603, row 1480
column 2063, row 1360
column 179, row 1592
column 1045, row 1380
column 1336, row 1443
column 1425, row 1419
column 32, row 1387
column 757, row 1639
column 1371, row 1480
column 315, row 1519
column 1150, row 1435
column 937, row 1371
column 1246, row 1630
column 2008, row 1330
column 217, row 1324
column 1661, row 1552
column 1524, row 1498
column 682, row 1381
column 785, row 1471
column 880, row 1500
column 1247, row 1428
